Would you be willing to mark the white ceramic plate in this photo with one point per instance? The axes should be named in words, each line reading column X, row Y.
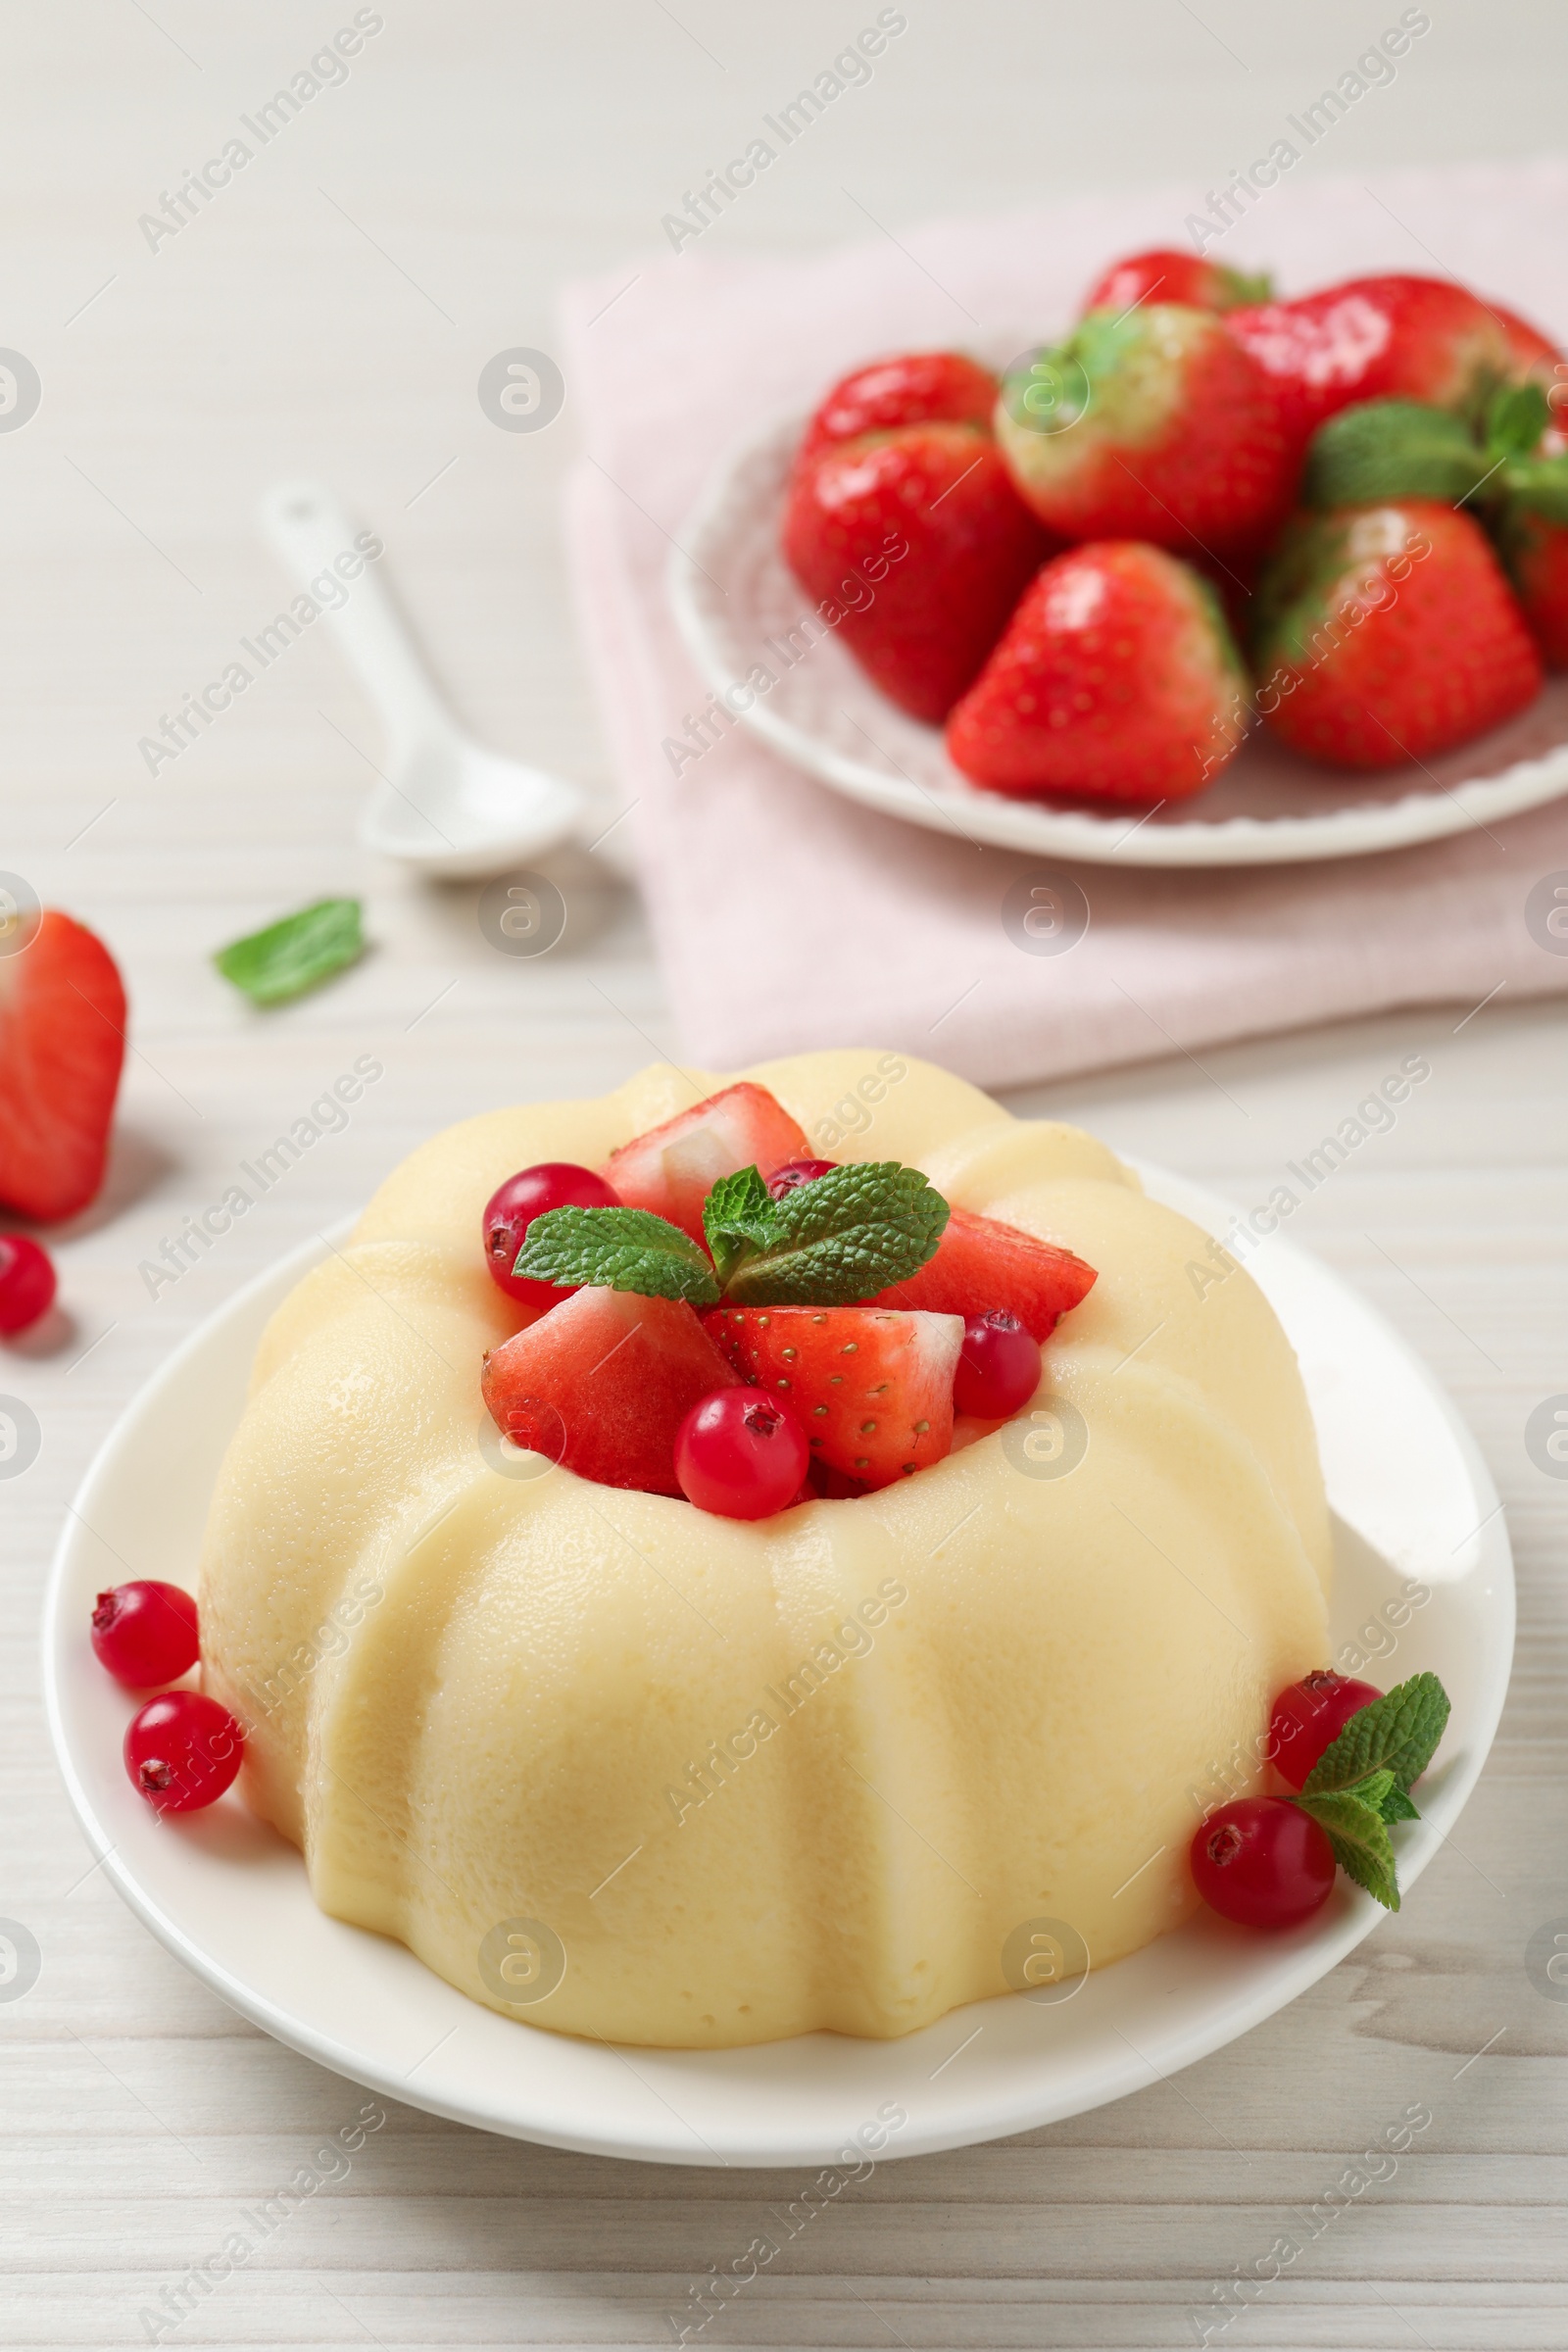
column 732, row 593
column 1412, row 1499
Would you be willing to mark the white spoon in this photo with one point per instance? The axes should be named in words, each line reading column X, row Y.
column 445, row 804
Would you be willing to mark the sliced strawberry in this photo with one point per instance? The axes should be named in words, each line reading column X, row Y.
column 672, row 1169
column 981, row 1263
column 62, row 1043
column 602, row 1384
column 873, row 1387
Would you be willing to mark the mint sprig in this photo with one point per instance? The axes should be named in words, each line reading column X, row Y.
column 840, row 1239
column 617, row 1250
column 1363, row 1780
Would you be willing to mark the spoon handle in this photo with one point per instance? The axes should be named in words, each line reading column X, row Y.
column 316, row 536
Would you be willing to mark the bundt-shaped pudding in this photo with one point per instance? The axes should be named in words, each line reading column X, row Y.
column 619, row 1765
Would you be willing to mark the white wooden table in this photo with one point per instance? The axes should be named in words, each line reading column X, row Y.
column 328, row 311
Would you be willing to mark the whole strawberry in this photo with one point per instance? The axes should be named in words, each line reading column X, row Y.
column 1166, row 274
column 1386, row 633
column 917, row 547
column 1396, row 337
column 914, row 387
column 1150, row 425
column 1117, row 680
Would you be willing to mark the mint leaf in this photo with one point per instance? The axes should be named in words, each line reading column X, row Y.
column 1394, row 1805
column 1516, row 420
column 617, row 1250
column 738, row 1214
column 1359, row 1838
column 1537, row 485
column 842, row 1238
column 296, row 954
column 1397, row 1733
column 1392, row 449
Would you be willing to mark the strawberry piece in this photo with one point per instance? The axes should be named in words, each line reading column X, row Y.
column 602, row 1384
column 916, row 387
column 982, row 1264
column 1152, row 425
column 1380, row 338
column 917, row 547
column 62, row 1044
column 1117, row 678
column 1387, row 633
column 1166, row 274
column 873, row 1388
column 672, row 1169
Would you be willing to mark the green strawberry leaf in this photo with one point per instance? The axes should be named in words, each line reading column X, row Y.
column 296, row 954
column 1392, row 449
column 1396, row 1733
column 617, row 1250
column 840, row 1239
column 1518, row 416
column 1244, row 286
column 738, row 1214
column 1358, row 1835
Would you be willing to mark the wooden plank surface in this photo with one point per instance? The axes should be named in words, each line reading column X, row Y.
column 328, row 313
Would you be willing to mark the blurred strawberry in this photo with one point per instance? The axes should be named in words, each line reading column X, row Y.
column 1166, row 274
column 1387, row 633
column 917, row 387
column 62, row 1042
column 918, row 547
column 1117, row 678
column 1374, row 338
column 1156, row 425
column 1531, row 530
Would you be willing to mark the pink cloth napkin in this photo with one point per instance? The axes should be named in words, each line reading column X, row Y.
column 787, row 918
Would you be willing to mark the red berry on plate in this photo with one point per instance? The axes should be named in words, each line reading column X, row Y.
column 914, row 387
column 1262, row 1862
column 26, row 1282
column 1309, row 1717
column 741, row 1454
column 796, row 1172
column 145, row 1633
column 1166, row 274
column 512, row 1208
column 1385, row 633
column 999, row 1366
column 182, row 1750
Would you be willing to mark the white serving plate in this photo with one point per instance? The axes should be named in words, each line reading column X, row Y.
column 731, row 592
column 1412, row 1499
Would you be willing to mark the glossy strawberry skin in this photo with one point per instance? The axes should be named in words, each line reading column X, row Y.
column 1117, row 680
column 1388, row 633
column 1166, row 274
column 917, row 547
column 62, row 1044
column 872, row 1387
column 1392, row 337
column 916, row 387
column 1156, row 425
column 1535, row 554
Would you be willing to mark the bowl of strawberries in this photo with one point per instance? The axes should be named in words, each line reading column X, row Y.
column 1211, row 578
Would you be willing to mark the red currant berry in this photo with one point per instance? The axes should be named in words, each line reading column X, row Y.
column 182, row 1750
column 145, row 1633
column 999, row 1366
column 741, row 1454
column 1263, row 1862
column 796, row 1172
column 1309, row 1717
column 26, row 1282
column 513, row 1208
